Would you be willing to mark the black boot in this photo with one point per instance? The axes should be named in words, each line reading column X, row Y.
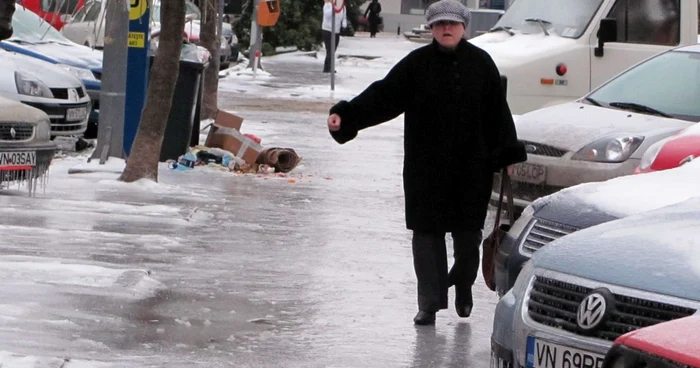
column 424, row 318
column 464, row 302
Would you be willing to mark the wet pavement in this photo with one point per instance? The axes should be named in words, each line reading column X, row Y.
column 310, row 270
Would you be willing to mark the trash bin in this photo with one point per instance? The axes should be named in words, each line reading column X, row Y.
column 186, row 104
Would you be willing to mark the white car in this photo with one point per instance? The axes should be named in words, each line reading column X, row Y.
column 25, row 146
column 605, row 133
column 50, row 88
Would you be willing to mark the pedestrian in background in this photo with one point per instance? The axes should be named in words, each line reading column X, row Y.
column 458, row 131
column 340, row 23
column 372, row 16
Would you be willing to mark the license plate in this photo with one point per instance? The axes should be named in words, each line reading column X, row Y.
column 530, row 173
column 543, row 354
column 76, row 114
column 17, row 160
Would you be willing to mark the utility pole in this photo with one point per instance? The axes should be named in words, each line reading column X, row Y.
column 332, row 50
column 110, row 136
column 220, row 30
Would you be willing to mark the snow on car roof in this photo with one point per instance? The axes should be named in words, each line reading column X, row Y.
column 632, row 194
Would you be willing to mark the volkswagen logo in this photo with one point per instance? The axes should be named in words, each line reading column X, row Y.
column 594, row 310
column 13, row 133
column 530, row 148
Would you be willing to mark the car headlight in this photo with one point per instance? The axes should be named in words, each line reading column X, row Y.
column 30, row 85
column 611, row 150
column 650, row 155
column 81, row 73
column 522, row 222
column 523, row 280
column 43, row 130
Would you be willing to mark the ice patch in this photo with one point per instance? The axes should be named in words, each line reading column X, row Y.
column 10, row 360
column 71, row 277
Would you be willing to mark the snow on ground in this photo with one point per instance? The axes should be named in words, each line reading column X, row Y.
column 360, row 61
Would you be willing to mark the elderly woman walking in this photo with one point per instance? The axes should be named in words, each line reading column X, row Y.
column 458, row 131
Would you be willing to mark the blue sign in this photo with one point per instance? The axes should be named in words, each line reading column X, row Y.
column 136, row 69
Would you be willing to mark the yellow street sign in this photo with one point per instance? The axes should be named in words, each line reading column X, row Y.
column 137, row 9
column 137, row 39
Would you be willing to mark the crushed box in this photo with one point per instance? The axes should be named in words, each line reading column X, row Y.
column 225, row 134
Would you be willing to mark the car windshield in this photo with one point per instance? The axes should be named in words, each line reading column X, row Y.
column 29, row 27
column 667, row 84
column 566, row 18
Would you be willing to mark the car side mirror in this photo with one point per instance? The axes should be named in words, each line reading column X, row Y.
column 606, row 33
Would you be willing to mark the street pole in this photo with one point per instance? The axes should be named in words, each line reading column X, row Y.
column 332, row 50
column 110, row 135
column 220, row 30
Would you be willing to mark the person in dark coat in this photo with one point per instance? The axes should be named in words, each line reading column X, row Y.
column 458, row 131
column 373, row 10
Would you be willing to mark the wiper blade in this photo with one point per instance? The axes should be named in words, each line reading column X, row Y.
column 502, row 28
column 19, row 40
column 594, row 102
column 639, row 108
column 542, row 23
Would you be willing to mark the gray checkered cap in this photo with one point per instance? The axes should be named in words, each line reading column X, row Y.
column 449, row 10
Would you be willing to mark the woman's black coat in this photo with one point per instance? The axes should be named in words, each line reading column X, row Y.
column 458, row 132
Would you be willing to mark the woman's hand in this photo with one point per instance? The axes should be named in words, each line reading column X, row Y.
column 334, row 123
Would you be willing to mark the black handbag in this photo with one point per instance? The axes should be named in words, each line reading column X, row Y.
column 492, row 242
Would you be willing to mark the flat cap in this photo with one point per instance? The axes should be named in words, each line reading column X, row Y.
column 448, row 10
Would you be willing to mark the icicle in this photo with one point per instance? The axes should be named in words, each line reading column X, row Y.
column 31, row 178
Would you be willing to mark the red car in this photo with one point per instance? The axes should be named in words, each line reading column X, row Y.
column 672, row 152
column 672, row 344
column 56, row 12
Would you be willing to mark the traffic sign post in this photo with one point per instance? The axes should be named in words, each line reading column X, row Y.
column 137, row 69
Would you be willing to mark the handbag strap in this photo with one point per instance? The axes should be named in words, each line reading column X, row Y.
column 507, row 190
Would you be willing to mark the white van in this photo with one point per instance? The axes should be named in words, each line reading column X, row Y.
column 550, row 50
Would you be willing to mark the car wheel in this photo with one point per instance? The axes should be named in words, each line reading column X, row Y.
column 224, row 65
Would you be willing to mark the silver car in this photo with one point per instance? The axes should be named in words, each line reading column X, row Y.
column 50, row 88
column 604, row 134
column 581, row 292
column 26, row 149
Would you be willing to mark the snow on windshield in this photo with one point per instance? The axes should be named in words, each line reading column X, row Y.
column 567, row 18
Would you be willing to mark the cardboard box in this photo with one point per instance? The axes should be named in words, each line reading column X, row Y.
column 225, row 134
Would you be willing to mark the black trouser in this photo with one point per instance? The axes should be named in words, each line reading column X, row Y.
column 327, row 43
column 430, row 263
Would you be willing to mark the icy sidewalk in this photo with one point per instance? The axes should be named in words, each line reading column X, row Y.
column 211, row 269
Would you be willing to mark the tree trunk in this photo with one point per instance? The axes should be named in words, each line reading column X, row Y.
column 145, row 153
column 210, row 38
column 7, row 9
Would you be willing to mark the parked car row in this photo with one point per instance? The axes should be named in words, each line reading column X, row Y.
column 50, row 85
column 601, row 260
column 87, row 27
